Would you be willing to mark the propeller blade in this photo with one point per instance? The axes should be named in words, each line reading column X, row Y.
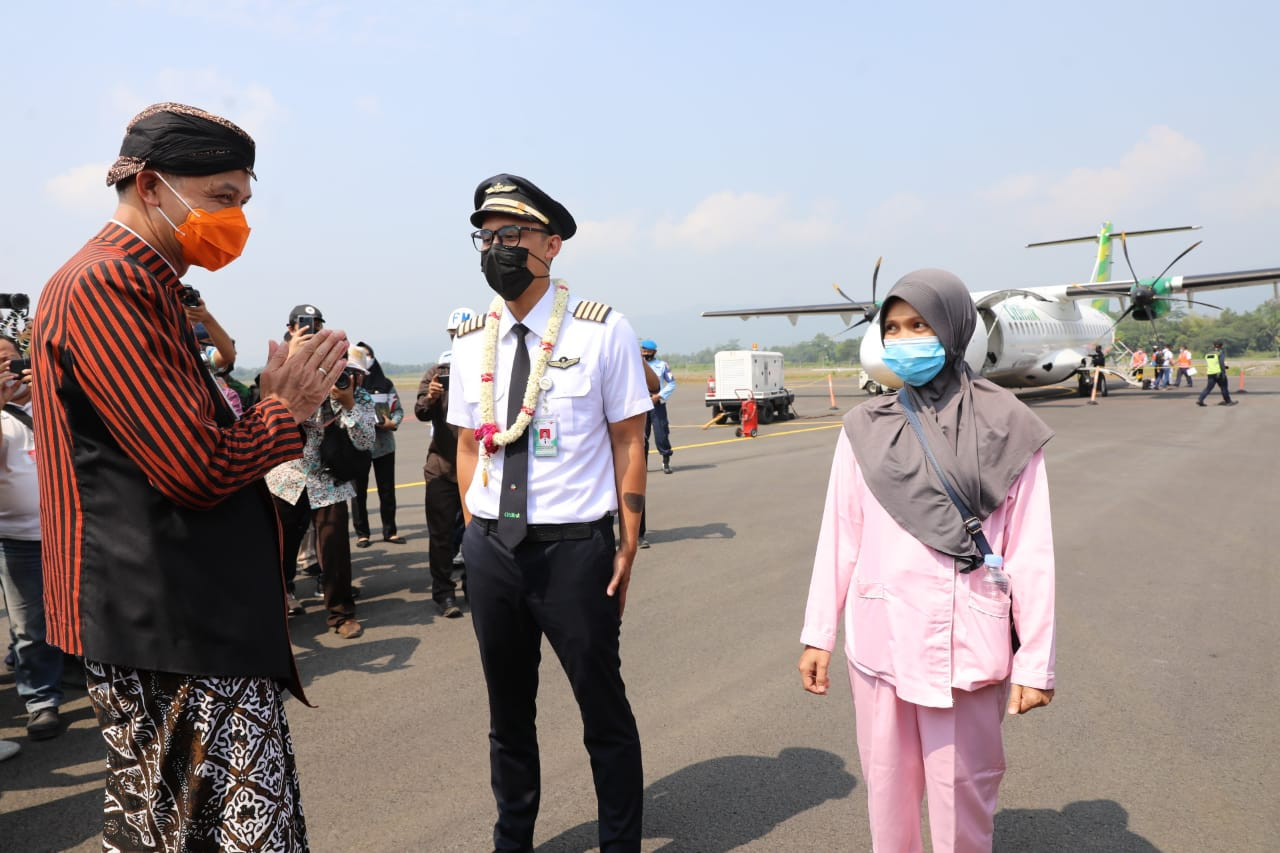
column 875, row 275
column 841, row 292
column 1206, row 304
column 854, row 326
column 1118, row 321
column 1175, row 260
column 1124, row 244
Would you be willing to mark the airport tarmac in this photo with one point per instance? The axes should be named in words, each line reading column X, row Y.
column 1162, row 736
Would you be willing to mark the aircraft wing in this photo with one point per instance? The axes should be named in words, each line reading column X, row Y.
column 1177, row 284
column 1224, row 280
column 845, row 310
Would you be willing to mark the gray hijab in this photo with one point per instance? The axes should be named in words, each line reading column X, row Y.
column 981, row 434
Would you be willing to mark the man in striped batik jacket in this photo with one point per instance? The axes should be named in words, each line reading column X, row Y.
column 161, row 548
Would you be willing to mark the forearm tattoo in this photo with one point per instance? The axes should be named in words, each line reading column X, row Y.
column 633, row 502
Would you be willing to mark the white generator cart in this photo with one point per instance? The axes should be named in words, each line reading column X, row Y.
column 749, row 374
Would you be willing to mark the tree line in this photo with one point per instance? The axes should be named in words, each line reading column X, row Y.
column 1255, row 332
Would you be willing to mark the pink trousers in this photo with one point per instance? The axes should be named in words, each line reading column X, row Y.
column 955, row 754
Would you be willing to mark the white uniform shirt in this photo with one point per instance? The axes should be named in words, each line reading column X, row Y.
column 605, row 385
column 19, row 490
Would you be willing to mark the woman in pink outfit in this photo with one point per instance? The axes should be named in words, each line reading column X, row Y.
column 927, row 620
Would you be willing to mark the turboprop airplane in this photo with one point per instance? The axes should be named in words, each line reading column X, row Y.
column 1034, row 336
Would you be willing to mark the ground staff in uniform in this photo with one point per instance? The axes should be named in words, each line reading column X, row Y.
column 1215, row 375
column 549, row 396
column 658, row 423
column 926, row 618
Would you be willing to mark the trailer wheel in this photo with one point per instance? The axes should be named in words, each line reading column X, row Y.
column 732, row 416
column 766, row 413
column 753, row 433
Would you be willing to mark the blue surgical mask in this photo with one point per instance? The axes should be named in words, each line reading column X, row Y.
column 915, row 360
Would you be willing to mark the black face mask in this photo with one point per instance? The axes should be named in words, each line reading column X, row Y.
column 506, row 269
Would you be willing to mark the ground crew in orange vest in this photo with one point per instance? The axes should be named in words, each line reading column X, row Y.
column 1184, row 368
column 1138, row 361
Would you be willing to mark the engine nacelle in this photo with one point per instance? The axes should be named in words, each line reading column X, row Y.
column 871, row 354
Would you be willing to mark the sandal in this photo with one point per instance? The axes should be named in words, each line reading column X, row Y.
column 363, row 542
column 394, row 539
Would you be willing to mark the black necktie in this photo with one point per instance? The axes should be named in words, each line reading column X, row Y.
column 513, row 502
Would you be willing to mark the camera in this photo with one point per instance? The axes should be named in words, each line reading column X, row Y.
column 17, row 365
column 190, row 296
column 344, row 381
column 15, row 301
column 306, row 324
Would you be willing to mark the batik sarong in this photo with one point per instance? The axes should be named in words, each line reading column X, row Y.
column 195, row 763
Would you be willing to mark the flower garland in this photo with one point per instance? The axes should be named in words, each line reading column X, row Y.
column 488, row 434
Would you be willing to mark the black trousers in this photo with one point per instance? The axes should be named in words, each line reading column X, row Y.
column 333, row 547
column 443, row 503
column 384, row 472
column 1218, row 380
column 556, row 589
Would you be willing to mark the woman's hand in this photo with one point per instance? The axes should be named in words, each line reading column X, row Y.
column 1022, row 699
column 813, row 670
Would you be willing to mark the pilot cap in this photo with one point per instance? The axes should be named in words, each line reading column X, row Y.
column 512, row 195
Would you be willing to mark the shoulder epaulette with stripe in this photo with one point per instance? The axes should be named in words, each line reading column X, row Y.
column 474, row 324
column 593, row 311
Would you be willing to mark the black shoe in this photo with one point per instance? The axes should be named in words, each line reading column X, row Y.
column 295, row 606
column 44, row 724
column 449, row 608
column 1199, row 402
column 666, row 466
column 644, row 543
column 363, row 542
column 312, row 571
column 1228, row 402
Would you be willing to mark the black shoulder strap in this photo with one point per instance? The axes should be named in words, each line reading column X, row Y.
column 971, row 522
column 20, row 415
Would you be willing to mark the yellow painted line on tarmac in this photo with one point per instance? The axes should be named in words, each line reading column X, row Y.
column 757, row 438
column 733, row 440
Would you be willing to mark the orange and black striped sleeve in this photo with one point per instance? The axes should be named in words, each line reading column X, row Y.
column 128, row 351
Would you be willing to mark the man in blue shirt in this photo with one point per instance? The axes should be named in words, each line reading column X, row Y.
column 657, row 422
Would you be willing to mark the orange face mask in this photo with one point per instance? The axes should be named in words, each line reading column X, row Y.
column 209, row 240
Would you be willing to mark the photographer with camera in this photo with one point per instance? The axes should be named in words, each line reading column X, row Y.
column 443, row 503
column 386, row 405
column 317, row 488
column 38, row 665
column 217, row 348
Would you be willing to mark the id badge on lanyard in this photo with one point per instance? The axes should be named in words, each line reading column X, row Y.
column 546, row 436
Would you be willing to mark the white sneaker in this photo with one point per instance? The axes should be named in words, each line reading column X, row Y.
column 8, row 749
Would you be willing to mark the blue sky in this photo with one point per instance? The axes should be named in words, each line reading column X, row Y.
column 714, row 154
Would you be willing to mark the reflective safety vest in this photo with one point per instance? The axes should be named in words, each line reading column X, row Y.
column 1212, row 365
column 1184, row 358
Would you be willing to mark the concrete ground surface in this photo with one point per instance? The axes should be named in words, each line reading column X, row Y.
column 1162, row 736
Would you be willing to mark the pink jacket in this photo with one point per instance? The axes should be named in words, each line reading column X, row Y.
column 909, row 616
